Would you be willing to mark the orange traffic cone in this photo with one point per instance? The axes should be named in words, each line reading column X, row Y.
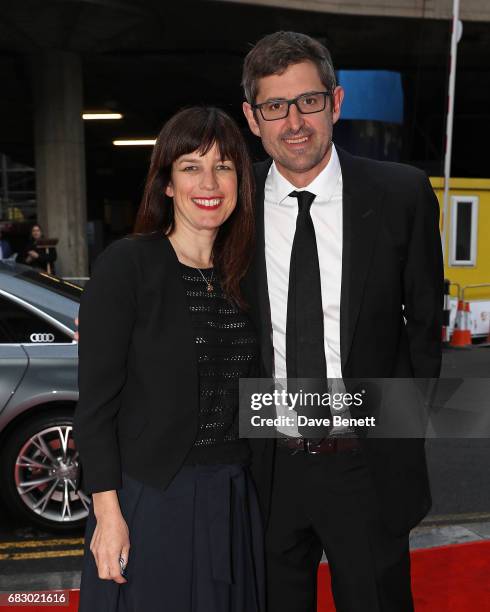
column 467, row 317
column 461, row 337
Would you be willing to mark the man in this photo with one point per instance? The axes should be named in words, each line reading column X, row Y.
column 373, row 294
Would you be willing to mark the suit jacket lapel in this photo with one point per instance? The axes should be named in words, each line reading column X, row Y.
column 259, row 269
column 362, row 202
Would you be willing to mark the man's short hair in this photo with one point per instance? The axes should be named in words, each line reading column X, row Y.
column 274, row 53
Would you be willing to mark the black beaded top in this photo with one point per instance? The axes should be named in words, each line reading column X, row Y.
column 227, row 349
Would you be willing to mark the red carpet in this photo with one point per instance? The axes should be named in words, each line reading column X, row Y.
column 452, row 578
column 445, row 579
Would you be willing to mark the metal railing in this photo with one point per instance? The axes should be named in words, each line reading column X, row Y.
column 461, row 290
column 451, row 284
column 479, row 286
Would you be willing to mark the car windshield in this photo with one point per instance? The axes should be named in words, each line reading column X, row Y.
column 64, row 288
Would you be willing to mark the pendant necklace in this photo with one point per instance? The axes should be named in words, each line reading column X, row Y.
column 209, row 286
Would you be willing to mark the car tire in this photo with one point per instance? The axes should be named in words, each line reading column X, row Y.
column 38, row 473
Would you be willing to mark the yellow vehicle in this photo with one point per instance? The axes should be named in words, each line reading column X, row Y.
column 467, row 248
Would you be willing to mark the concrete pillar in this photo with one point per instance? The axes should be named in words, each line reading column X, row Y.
column 60, row 157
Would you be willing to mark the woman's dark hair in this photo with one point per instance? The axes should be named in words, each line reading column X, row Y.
column 274, row 53
column 198, row 129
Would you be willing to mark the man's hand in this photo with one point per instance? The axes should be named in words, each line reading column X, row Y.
column 76, row 336
column 33, row 255
column 110, row 540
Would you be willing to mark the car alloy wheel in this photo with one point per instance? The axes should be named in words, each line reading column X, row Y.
column 39, row 469
column 46, row 472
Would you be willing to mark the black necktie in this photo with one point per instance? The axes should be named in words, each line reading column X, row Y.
column 305, row 351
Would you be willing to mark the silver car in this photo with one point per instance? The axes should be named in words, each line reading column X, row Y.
column 38, row 394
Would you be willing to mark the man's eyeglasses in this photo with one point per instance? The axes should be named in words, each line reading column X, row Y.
column 307, row 104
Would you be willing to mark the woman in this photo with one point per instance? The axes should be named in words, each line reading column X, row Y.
column 163, row 342
column 39, row 256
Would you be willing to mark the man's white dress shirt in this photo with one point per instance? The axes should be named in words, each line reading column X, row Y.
column 280, row 213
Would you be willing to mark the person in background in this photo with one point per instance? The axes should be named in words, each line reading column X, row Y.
column 5, row 249
column 39, row 256
column 164, row 338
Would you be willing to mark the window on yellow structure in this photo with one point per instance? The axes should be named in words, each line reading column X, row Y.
column 464, row 228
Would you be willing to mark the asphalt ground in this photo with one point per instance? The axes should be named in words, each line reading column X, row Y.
column 32, row 559
column 459, row 470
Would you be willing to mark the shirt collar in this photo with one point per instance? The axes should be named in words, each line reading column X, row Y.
column 322, row 186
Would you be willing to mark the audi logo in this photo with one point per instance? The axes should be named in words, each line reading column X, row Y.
column 41, row 337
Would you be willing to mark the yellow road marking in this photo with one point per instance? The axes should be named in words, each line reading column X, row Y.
column 39, row 543
column 43, row 554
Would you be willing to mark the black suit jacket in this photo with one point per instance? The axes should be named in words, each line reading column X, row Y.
column 138, row 379
column 391, row 257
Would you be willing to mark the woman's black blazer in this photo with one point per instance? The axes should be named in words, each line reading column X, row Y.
column 138, row 380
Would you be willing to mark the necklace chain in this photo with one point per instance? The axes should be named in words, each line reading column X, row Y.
column 209, row 286
column 209, row 281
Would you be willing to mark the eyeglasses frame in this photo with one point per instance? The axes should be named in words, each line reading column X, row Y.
column 295, row 102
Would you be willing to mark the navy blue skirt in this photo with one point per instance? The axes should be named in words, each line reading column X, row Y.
column 195, row 547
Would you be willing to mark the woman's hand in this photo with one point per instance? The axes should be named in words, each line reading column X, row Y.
column 110, row 540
